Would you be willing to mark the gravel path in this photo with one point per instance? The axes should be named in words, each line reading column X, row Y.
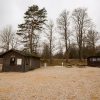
column 52, row 83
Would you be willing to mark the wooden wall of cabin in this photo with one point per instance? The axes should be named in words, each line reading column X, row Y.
column 27, row 63
column 35, row 63
column 6, row 62
column 31, row 63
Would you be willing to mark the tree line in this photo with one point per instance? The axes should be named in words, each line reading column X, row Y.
column 73, row 36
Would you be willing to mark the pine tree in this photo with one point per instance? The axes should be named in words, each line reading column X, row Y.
column 34, row 20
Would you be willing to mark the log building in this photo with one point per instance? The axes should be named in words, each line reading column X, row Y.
column 14, row 60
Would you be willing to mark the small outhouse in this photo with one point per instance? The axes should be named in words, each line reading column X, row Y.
column 93, row 61
column 14, row 60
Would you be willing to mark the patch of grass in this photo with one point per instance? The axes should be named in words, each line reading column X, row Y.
column 69, row 64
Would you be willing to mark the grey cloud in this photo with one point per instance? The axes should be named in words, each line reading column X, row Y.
column 12, row 11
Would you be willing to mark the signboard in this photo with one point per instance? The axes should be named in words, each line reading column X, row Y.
column 19, row 61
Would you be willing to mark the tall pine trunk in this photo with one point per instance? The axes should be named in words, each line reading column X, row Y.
column 31, row 49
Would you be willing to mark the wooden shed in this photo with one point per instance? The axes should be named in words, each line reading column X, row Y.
column 93, row 61
column 14, row 60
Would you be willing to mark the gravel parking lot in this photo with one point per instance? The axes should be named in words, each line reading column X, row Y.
column 51, row 83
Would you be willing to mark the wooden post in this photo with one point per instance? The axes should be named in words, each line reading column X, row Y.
column 62, row 64
column 45, row 64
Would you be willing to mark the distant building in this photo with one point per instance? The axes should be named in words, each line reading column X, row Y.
column 93, row 61
column 14, row 60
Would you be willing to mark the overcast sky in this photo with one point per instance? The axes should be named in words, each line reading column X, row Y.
column 12, row 11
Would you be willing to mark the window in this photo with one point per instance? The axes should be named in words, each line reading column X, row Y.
column 93, row 59
column 98, row 59
column 19, row 61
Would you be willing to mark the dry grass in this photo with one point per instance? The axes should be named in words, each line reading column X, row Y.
column 52, row 83
column 75, row 62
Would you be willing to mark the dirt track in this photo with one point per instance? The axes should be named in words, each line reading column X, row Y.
column 55, row 83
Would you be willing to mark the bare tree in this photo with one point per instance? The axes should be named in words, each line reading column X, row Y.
column 7, row 38
column 63, row 25
column 50, row 37
column 59, row 51
column 45, row 52
column 81, row 24
column 14, row 42
column 92, row 38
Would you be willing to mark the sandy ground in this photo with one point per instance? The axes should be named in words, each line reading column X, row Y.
column 53, row 83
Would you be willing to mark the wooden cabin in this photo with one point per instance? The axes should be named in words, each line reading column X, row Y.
column 93, row 61
column 14, row 60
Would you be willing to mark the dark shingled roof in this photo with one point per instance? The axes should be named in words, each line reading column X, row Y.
column 93, row 57
column 21, row 53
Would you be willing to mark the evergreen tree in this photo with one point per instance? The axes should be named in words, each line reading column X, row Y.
column 34, row 20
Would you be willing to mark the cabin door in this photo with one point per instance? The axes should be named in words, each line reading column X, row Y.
column 12, row 61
